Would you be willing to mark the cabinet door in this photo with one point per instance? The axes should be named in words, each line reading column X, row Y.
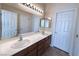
column 33, row 52
column 47, row 43
column 41, row 47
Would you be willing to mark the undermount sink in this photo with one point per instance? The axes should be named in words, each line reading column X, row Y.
column 20, row 44
column 26, row 40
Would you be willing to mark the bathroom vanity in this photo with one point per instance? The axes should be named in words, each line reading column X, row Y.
column 36, row 49
column 34, row 44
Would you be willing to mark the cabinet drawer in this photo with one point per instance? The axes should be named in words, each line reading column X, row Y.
column 32, row 53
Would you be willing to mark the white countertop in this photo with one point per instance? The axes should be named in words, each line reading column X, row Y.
column 8, row 49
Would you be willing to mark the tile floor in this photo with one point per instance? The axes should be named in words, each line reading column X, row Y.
column 53, row 51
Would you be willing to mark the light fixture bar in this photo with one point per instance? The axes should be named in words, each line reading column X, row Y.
column 33, row 7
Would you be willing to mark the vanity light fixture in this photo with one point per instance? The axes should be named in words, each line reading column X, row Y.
column 33, row 7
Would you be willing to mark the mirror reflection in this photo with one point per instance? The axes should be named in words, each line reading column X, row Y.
column 13, row 24
column 45, row 23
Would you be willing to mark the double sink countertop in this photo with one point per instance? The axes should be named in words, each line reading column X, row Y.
column 12, row 46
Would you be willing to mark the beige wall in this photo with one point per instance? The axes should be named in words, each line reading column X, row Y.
column 0, row 5
column 40, row 5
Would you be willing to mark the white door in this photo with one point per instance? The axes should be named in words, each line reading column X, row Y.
column 76, row 41
column 76, row 45
column 64, row 29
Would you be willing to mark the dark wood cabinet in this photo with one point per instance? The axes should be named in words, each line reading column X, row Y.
column 43, row 45
column 36, row 49
column 40, row 48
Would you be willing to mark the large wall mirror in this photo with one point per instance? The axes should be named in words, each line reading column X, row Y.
column 12, row 24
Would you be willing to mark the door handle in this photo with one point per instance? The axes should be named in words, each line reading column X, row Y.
column 76, row 35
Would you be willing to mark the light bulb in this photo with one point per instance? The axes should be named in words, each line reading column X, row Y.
column 31, row 5
column 34, row 7
column 42, row 11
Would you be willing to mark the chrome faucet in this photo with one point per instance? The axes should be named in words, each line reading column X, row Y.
column 43, row 31
column 21, row 37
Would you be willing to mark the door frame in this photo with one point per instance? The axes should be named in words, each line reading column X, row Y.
column 74, row 30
